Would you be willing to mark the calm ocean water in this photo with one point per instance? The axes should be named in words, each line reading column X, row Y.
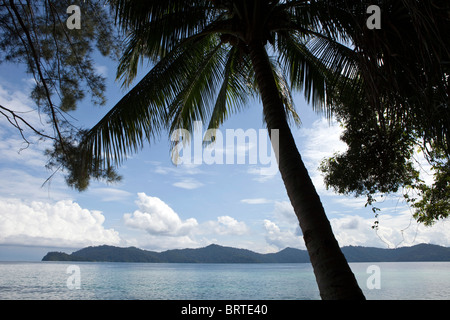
column 57, row 280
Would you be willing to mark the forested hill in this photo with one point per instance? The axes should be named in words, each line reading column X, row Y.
column 210, row 254
column 219, row 254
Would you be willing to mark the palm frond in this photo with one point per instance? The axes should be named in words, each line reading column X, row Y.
column 132, row 14
column 198, row 75
column 285, row 92
column 306, row 71
column 142, row 114
column 315, row 66
column 156, row 38
column 202, row 80
column 235, row 90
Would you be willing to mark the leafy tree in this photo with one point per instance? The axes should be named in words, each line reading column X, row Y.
column 404, row 106
column 35, row 34
column 209, row 58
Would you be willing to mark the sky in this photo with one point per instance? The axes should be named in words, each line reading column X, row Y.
column 160, row 206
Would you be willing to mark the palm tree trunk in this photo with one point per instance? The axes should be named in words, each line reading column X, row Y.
column 333, row 274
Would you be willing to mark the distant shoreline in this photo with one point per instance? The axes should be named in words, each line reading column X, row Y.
column 220, row 254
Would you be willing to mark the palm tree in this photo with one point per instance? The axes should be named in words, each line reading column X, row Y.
column 209, row 57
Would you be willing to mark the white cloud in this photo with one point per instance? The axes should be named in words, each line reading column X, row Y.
column 62, row 224
column 23, row 170
column 397, row 228
column 225, row 225
column 110, row 194
column 180, row 170
column 15, row 150
column 281, row 239
column 355, row 231
column 21, row 184
column 284, row 213
column 320, row 141
column 352, row 202
column 183, row 174
column 283, row 229
column 394, row 230
column 101, row 70
column 189, row 184
column 166, row 230
column 263, row 174
column 256, row 201
column 424, row 167
column 20, row 103
column 157, row 218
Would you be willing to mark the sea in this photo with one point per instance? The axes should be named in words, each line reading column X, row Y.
column 173, row 281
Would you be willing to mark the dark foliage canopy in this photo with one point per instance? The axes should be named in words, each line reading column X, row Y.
column 405, row 107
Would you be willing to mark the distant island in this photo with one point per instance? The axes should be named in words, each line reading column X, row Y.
column 219, row 254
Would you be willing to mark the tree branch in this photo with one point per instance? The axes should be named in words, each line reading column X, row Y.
column 13, row 119
column 39, row 70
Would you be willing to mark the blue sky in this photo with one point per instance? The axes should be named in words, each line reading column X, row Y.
column 160, row 206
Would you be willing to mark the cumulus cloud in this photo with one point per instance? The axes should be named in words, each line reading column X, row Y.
column 320, row 141
column 282, row 229
column 355, row 231
column 62, row 224
column 282, row 238
column 284, row 213
column 225, row 225
column 164, row 229
column 395, row 230
column 157, row 218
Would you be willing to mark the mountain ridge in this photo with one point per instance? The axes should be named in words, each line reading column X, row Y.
column 220, row 254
